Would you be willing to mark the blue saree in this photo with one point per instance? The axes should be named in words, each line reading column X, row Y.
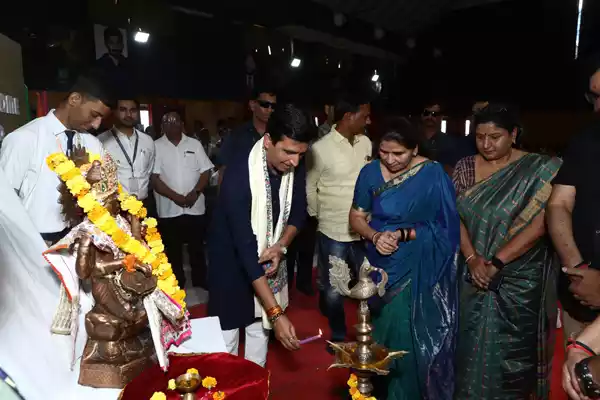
column 421, row 316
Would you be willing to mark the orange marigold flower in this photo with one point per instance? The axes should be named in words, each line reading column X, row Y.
column 129, row 263
column 219, row 396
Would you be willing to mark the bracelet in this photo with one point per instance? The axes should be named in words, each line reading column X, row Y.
column 575, row 344
column 472, row 256
column 274, row 315
column 498, row 263
column 274, row 311
column 375, row 237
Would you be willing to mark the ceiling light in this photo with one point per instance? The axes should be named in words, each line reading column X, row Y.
column 269, row 48
column 141, row 37
column 375, row 76
column 295, row 62
column 316, row 121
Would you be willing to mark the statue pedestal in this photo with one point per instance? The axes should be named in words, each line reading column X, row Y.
column 133, row 355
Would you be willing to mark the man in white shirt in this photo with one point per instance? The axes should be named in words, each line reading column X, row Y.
column 181, row 173
column 333, row 166
column 24, row 152
column 131, row 149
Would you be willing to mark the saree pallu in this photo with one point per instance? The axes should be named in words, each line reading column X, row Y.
column 423, row 198
column 502, row 337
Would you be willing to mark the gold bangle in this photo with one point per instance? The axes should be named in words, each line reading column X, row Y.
column 271, row 312
column 472, row 256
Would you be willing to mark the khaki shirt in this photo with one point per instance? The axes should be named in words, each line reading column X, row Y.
column 333, row 167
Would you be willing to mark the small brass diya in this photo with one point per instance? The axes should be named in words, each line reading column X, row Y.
column 187, row 384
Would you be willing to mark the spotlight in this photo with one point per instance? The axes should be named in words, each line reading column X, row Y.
column 141, row 37
column 375, row 76
column 295, row 62
column 269, row 48
column 444, row 125
column 467, row 127
column 316, row 121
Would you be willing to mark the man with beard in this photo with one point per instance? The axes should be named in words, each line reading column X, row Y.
column 241, row 140
column 131, row 149
column 24, row 151
column 436, row 145
column 261, row 207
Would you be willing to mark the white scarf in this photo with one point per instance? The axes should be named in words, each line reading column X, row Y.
column 267, row 233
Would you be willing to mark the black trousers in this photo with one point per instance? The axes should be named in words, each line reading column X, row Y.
column 178, row 231
column 301, row 253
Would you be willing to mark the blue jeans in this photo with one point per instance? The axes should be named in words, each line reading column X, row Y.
column 331, row 303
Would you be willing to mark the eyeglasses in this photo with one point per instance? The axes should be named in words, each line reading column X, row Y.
column 428, row 113
column 591, row 97
column 266, row 104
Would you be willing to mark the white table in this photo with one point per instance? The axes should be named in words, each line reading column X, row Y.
column 206, row 337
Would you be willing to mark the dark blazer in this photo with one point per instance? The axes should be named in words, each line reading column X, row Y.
column 232, row 247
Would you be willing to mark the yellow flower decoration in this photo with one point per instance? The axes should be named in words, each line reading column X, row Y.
column 192, row 371
column 209, row 382
column 219, row 396
column 151, row 252
column 150, row 222
column 158, row 396
column 354, row 392
column 172, row 385
column 352, row 383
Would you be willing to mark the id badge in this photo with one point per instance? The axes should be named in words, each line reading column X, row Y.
column 134, row 186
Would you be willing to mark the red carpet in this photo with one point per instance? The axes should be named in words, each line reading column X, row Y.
column 303, row 374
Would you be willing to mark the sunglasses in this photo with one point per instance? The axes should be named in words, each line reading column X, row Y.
column 427, row 113
column 591, row 97
column 266, row 104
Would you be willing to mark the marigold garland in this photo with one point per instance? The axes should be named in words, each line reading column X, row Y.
column 354, row 392
column 153, row 254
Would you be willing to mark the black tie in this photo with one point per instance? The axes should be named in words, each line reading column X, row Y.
column 70, row 135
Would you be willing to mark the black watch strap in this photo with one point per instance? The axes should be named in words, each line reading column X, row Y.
column 498, row 263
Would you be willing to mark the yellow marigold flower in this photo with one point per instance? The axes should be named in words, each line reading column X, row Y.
column 96, row 213
column 141, row 254
column 94, row 157
column 192, row 371
column 352, row 383
column 154, row 241
column 120, row 237
column 209, row 382
column 353, row 390
column 151, row 231
column 54, row 159
column 122, row 194
column 142, row 213
column 172, row 385
column 179, row 296
column 357, row 396
column 371, row 398
column 87, row 202
column 219, row 396
column 64, row 167
column 150, row 222
column 158, row 396
column 166, row 274
column 70, row 174
column 148, row 258
column 158, row 249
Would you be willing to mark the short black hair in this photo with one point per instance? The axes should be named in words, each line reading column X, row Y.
column 349, row 102
column 289, row 121
column 93, row 85
column 130, row 98
column 111, row 31
column 258, row 90
column 401, row 131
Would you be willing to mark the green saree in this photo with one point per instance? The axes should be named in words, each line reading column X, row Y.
column 502, row 352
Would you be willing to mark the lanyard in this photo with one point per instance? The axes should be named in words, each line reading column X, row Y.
column 135, row 147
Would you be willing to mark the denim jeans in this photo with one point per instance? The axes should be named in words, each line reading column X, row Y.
column 331, row 303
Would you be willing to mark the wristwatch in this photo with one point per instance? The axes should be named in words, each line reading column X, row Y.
column 283, row 249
